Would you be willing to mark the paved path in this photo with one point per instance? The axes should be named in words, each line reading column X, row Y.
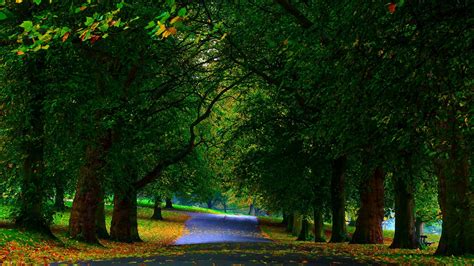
column 217, row 228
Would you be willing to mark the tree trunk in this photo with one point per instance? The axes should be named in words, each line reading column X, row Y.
column 59, row 196
column 31, row 215
column 124, row 227
column 82, row 223
column 404, row 212
column 318, row 225
column 338, row 200
column 304, row 233
column 101, row 228
column 169, row 203
column 297, row 224
column 285, row 219
column 456, row 200
column 225, row 207
column 370, row 215
column 157, row 210
column 209, row 204
column 291, row 219
column 419, row 229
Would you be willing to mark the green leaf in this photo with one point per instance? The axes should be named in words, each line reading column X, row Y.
column 150, row 25
column 37, row 2
column 120, row 5
column 182, row 12
column 89, row 21
column 27, row 25
column 3, row 16
column 401, row 3
column 104, row 27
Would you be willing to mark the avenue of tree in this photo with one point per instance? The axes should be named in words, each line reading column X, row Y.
column 325, row 110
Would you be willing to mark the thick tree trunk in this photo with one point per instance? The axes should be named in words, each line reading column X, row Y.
column 59, row 196
column 124, row 227
column 304, row 233
column 318, row 225
column 291, row 219
column 31, row 214
column 456, row 200
column 82, row 223
column 370, row 215
column 405, row 236
column 157, row 210
column 100, row 219
column 338, row 201
column 169, row 203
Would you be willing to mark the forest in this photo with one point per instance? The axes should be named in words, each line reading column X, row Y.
column 345, row 113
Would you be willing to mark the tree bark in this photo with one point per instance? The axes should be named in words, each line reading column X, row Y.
column 370, row 215
column 318, row 225
column 82, row 222
column 289, row 226
column 456, row 201
column 101, row 228
column 405, row 235
column 338, row 200
column 304, row 233
column 169, row 203
column 157, row 210
column 31, row 214
column 124, row 226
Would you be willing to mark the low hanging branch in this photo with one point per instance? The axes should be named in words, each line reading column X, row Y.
column 158, row 169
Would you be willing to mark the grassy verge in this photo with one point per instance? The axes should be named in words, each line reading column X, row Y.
column 150, row 204
column 20, row 247
column 273, row 229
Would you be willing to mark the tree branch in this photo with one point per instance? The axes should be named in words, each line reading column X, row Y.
column 300, row 18
column 158, row 169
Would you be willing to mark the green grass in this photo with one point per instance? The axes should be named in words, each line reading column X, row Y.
column 150, row 204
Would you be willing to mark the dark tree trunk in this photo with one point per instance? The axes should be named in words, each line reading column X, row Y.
column 285, row 219
column 304, row 233
column 169, row 203
column 225, row 207
column 31, row 215
column 82, row 223
column 209, row 204
column 318, row 225
column 157, row 210
column 370, row 215
column 404, row 213
column 338, row 200
column 456, row 200
column 291, row 220
column 251, row 209
column 59, row 196
column 100, row 219
column 124, row 227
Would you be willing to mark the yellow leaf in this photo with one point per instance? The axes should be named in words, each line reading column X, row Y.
column 18, row 1
column 175, row 19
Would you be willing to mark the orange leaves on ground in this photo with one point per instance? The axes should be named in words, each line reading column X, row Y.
column 156, row 235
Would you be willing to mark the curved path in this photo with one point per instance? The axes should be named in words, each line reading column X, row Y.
column 217, row 228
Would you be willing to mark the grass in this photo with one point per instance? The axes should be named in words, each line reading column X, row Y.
column 150, row 204
column 17, row 246
column 273, row 229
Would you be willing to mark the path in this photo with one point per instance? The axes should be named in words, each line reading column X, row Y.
column 216, row 228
